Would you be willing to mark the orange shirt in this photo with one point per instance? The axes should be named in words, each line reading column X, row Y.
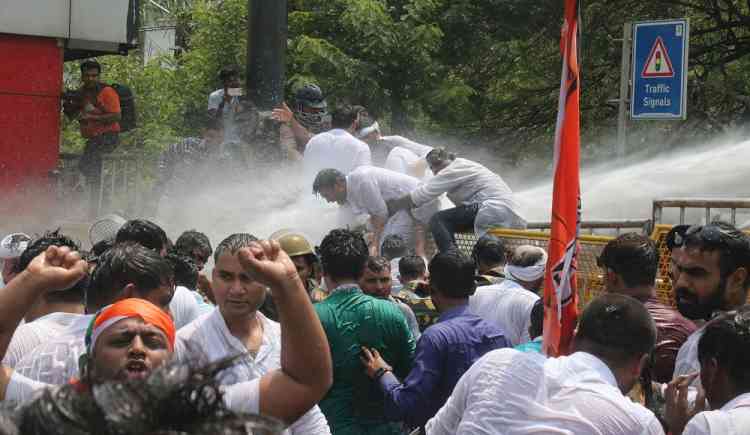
column 106, row 102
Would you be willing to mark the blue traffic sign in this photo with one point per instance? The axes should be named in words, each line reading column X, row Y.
column 659, row 74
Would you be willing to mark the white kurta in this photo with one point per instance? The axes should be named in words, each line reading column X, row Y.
column 686, row 362
column 732, row 419
column 336, row 149
column 210, row 336
column 507, row 305
column 510, row 392
column 368, row 189
column 30, row 335
column 466, row 182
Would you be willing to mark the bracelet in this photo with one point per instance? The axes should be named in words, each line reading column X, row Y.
column 380, row 372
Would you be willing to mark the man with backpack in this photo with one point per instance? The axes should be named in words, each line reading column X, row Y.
column 97, row 108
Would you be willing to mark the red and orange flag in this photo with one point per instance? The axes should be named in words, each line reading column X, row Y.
column 560, row 288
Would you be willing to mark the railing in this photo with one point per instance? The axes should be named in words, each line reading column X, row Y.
column 707, row 204
column 122, row 188
column 611, row 227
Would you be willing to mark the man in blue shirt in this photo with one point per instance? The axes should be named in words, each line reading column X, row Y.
column 445, row 350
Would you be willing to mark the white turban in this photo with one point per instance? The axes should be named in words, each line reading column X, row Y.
column 368, row 130
column 529, row 273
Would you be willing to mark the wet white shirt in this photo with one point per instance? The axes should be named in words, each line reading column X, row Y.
column 466, row 182
column 56, row 361
column 30, row 335
column 686, row 362
column 209, row 335
column 510, row 392
column 732, row 419
column 415, row 148
column 336, row 149
column 507, row 305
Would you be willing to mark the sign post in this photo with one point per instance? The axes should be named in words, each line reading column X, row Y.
column 659, row 73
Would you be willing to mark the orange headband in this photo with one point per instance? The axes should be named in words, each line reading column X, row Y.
column 126, row 309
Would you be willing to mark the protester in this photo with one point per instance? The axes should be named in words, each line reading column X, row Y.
column 445, row 351
column 52, row 313
column 128, row 270
column 185, row 165
column 416, row 290
column 507, row 391
column 630, row 263
column 185, row 269
column 508, row 305
column 236, row 327
column 130, row 339
column 336, row 148
column 309, row 117
column 709, row 268
column 224, row 103
column 401, row 154
column 11, row 247
column 366, row 190
column 301, row 252
column 394, row 248
column 724, row 355
column 482, row 199
column 197, row 246
column 352, row 320
column 97, row 108
column 376, row 281
column 185, row 306
column 489, row 254
column 536, row 329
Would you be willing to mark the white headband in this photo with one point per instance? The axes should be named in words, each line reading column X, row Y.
column 529, row 273
column 368, row 130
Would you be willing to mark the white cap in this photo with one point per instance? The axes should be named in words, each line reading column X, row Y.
column 13, row 245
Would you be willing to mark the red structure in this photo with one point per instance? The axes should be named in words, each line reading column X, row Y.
column 30, row 87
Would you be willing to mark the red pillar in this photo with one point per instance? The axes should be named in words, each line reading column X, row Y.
column 30, row 87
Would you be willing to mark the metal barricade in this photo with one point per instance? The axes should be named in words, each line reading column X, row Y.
column 608, row 227
column 706, row 204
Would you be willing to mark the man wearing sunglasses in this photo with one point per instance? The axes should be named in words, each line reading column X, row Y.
column 710, row 273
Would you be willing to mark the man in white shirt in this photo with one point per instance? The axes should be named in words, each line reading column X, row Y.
column 508, row 304
column 482, row 199
column 366, row 191
column 134, row 337
column 724, row 354
column 510, row 392
column 336, row 148
column 236, row 327
column 404, row 155
column 710, row 272
column 224, row 103
column 52, row 313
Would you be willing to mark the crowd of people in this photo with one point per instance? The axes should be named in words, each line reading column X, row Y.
column 374, row 330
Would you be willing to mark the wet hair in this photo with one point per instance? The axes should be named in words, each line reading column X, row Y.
column 452, row 274
column 393, row 246
column 192, row 240
column 327, row 178
column 616, row 328
column 343, row 116
column 143, row 232
column 536, row 317
column 40, row 244
column 185, row 269
column 234, row 243
column 90, row 64
column 727, row 338
column 343, row 254
column 228, row 72
column 378, row 264
column 732, row 244
column 176, row 398
column 124, row 264
column 489, row 250
column 411, row 267
column 632, row 256
column 439, row 155
column 102, row 246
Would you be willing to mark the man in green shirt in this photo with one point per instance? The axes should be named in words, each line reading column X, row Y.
column 354, row 405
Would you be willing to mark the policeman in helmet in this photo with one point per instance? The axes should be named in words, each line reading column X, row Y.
column 299, row 249
column 308, row 116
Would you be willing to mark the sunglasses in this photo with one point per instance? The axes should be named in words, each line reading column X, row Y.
column 711, row 234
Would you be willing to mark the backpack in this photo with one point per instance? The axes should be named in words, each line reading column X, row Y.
column 127, row 107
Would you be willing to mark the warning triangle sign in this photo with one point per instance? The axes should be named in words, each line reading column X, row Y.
column 658, row 63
